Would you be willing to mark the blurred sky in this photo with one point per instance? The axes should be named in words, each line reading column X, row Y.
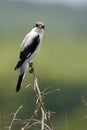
column 70, row 2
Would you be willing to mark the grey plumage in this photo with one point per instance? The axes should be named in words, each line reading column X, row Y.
column 29, row 48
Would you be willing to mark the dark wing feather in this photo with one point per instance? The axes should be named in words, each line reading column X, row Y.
column 28, row 51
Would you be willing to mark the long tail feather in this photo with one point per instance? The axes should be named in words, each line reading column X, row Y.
column 20, row 78
column 19, row 63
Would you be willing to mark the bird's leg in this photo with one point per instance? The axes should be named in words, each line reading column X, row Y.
column 31, row 67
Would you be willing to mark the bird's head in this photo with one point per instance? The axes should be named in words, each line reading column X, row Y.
column 39, row 26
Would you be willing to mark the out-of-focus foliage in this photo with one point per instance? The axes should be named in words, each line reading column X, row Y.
column 61, row 63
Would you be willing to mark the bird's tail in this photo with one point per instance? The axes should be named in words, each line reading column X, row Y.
column 20, row 78
column 23, row 69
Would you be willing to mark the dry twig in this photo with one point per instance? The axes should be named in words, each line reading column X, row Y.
column 14, row 118
column 45, row 121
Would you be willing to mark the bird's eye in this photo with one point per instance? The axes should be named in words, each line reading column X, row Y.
column 43, row 26
column 37, row 25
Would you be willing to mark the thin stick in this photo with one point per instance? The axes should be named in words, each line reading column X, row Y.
column 29, row 123
column 36, row 87
column 42, row 121
column 14, row 118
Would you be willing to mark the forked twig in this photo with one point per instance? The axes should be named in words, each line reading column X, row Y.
column 44, row 121
column 14, row 118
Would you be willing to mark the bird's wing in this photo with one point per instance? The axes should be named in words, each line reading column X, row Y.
column 28, row 49
column 26, row 41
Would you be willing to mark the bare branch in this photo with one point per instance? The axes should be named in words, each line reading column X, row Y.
column 14, row 118
column 52, row 91
column 44, row 121
column 31, row 119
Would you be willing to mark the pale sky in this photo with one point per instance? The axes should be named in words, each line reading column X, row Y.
column 72, row 2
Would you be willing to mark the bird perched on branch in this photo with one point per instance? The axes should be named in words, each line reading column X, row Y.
column 29, row 49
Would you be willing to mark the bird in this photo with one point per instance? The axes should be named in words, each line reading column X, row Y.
column 29, row 49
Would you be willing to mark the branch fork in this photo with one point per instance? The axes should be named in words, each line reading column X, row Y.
column 44, row 121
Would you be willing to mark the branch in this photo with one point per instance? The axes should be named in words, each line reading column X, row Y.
column 40, row 101
column 14, row 118
column 45, row 121
column 31, row 119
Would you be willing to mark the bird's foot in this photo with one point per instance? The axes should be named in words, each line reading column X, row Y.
column 31, row 67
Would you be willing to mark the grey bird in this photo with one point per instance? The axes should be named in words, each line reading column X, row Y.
column 29, row 49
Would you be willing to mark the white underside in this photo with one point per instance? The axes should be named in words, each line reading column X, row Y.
column 25, row 65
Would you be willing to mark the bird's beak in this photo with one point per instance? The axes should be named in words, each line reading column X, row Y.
column 40, row 27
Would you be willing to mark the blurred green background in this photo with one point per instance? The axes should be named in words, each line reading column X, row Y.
column 61, row 63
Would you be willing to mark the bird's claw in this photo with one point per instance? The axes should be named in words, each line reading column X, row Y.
column 31, row 67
